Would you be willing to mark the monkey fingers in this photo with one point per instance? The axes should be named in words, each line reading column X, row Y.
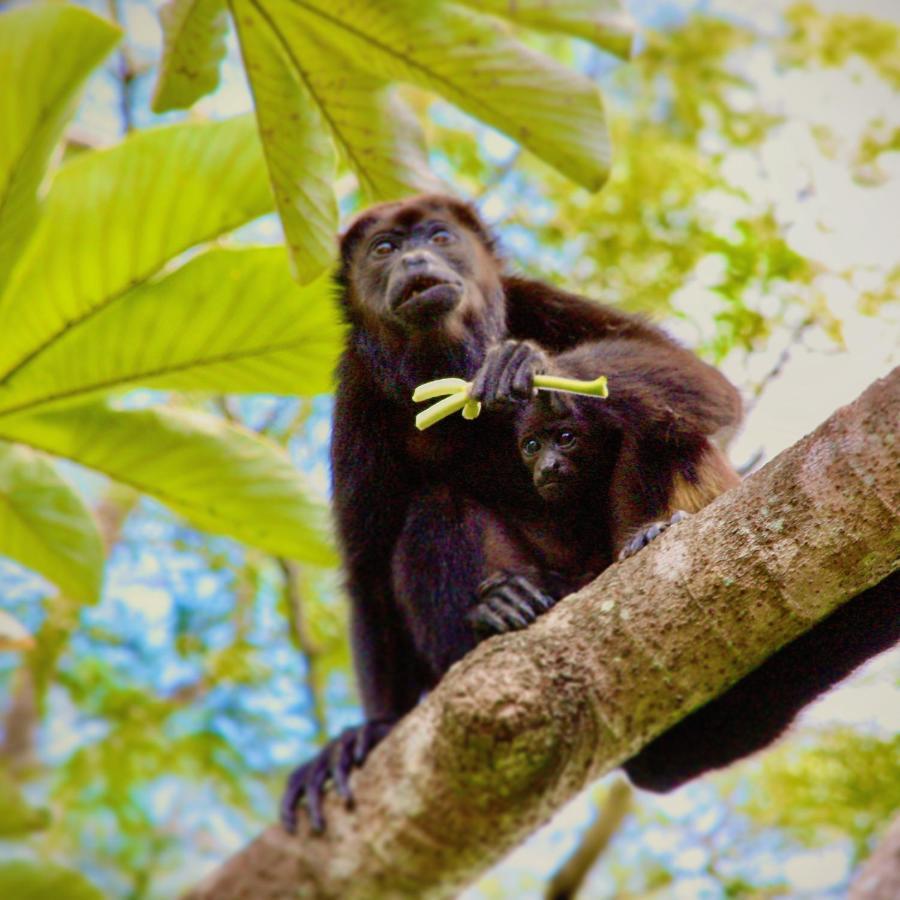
column 649, row 533
column 508, row 603
column 517, row 380
column 306, row 783
column 507, row 374
column 334, row 762
column 368, row 736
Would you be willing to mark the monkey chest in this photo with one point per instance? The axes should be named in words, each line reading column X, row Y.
column 477, row 460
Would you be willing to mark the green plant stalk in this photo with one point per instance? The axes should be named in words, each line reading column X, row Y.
column 455, row 392
column 595, row 388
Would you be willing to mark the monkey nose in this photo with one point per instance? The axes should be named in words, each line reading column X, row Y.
column 548, row 473
column 416, row 260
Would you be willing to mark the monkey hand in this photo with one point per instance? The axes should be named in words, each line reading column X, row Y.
column 650, row 533
column 507, row 374
column 334, row 762
column 507, row 603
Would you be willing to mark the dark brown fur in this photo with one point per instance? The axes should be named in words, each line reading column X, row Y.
column 634, row 458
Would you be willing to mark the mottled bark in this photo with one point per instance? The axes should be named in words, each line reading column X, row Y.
column 524, row 722
column 879, row 876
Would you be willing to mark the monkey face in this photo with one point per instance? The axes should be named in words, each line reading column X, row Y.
column 418, row 265
column 425, row 270
column 552, row 456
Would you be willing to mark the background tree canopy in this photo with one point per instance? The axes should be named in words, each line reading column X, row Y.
column 172, row 634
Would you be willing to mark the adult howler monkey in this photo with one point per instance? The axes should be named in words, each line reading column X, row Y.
column 424, row 517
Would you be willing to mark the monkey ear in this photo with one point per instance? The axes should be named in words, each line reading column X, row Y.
column 469, row 216
column 355, row 229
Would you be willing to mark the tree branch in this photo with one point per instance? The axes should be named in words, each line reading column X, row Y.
column 567, row 881
column 527, row 720
column 878, row 877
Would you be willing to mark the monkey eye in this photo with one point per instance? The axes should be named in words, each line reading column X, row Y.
column 383, row 247
column 566, row 438
column 441, row 236
column 531, row 446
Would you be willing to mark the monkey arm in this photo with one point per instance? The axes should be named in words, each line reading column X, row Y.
column 667, row 404
column 371, row 488
column 656, row 389
column 370, row 496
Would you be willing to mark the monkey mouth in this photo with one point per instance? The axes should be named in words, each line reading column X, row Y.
column 554, row 490
column 427, row 292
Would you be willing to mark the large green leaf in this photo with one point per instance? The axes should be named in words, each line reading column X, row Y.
column 45, row 525
column 219, row 477
column 193, row 49
column 41, row 880
column 376, row 132
column 298, row 149
column 605, row 23
column 115, row 217
column 471, row 60
column 228, row 320
column 389, row 155
column 46, row 52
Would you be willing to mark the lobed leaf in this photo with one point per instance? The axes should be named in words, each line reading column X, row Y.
column 376, row 132
column 468, row 58
column 45, row 525
column 228, row 320
column 298, row 149
column 221, row 478
column 605, row 23
column 46, row 53
column 194, row 46
column 114, row 218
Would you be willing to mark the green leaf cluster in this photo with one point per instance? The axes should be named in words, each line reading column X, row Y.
column 847, row 783
column 322, row 75
column 109, row 285
column 37, row 881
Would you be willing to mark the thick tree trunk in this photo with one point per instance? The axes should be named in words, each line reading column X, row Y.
column 879, row 876
column 526, row 721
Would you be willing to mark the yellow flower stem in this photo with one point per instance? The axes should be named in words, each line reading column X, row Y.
column 595, row 388
column 455, row 392
column 439, row 388
column 441, row 410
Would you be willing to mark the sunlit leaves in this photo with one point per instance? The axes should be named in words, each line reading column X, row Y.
column 304, row 65
column 375, row 132
column 116, row 217
column 299, row 152
column 228, row 320
column 471, row 60
column 321, row 72
column 603, row 22
column 193, row 49
column 218, row 476
column 45, row 55
column 17, row 816
column 833, row 39
column 38, row 881
column 845, row 782
column 45, row 525
column 96, row 305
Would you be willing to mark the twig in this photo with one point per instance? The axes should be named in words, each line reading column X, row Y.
column 567, row 881
column 304, row 642
column 757, row 390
